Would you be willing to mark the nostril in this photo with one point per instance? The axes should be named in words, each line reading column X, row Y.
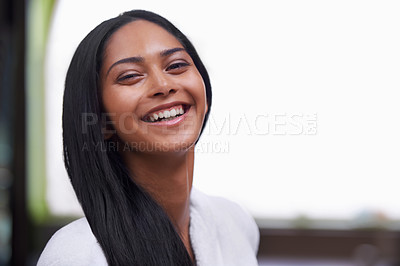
column 158, row 94
column 164, row 92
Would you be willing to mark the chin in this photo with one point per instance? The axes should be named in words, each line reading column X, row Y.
column 177, row 146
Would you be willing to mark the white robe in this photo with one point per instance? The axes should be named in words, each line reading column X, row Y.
column 221, row 233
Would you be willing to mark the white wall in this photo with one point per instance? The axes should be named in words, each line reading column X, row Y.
column 305, row 115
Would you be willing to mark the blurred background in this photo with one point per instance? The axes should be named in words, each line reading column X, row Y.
column 303, row 132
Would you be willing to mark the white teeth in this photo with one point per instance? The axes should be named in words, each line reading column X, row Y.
column 166, row 114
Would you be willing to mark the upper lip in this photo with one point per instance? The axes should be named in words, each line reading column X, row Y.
column 164, row 106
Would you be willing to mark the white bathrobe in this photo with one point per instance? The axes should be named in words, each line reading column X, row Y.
column 221, row 233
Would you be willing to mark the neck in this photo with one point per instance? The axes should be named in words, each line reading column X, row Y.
column 168, row 179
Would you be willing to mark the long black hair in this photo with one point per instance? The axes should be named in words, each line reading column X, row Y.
column 131, row 228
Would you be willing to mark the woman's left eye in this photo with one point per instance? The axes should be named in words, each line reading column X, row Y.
column 177, row 65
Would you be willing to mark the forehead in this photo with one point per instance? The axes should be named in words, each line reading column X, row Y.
column 139, row 38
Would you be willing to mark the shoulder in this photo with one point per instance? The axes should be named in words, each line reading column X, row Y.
column 230, row 217
column 74, row 244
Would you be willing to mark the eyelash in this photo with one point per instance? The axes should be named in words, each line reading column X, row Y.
column 169, row 68
column 177, row 65
column 129, row 76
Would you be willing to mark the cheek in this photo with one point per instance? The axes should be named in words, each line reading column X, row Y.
column 120, row 108
column 120, row 100
column 198, row 90
column 125, row 123
column 203, row 97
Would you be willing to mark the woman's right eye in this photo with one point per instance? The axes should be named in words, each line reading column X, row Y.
column 127, row 77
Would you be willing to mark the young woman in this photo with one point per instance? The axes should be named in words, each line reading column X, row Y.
column 136, row 100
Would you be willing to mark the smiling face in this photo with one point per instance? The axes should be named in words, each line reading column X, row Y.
column 151, row 89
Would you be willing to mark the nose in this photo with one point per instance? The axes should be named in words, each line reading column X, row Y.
column 161, row 84
column 163, row 91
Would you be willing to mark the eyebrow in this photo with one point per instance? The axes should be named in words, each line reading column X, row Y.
column 134, row 59
column 139, row 59
column 168, row 52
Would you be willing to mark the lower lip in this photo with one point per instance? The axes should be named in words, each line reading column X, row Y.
column 173, row 122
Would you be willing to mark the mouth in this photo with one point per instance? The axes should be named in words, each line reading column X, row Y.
column 166, row 114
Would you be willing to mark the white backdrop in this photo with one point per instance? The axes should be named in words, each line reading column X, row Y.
column 305, row 116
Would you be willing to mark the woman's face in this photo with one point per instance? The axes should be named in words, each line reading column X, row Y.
column 151, row 89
